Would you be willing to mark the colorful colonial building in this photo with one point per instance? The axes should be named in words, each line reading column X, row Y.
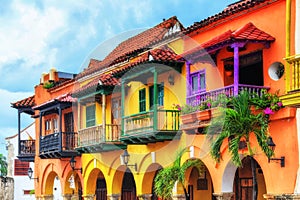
column 88, row 125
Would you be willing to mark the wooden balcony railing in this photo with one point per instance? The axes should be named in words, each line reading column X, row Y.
column 27, row 148
column 145, row 122
column 58, row 142
column 293, row 75
column 197, row 99
column 95, row 135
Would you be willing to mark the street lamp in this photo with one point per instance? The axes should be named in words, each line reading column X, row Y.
column 30, row 172
column 126, row 157
column 272, row 146
column 73, row 164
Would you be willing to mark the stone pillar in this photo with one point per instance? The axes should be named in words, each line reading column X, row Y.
column 178, row 197
column 282, row 196
column 67, row 196
column 88, row 196
column 223, row 195
column 113, row 197
column 47, row 197
column 70, row 196
column 145, row 197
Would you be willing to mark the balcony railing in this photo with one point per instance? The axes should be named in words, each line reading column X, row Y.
column 147, row 122
column 95, row 135
column 58, row 144
column 197, row 99
column 27, row 150
column 293, row 77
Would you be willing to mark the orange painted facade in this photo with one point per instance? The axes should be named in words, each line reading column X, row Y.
column 107, row 116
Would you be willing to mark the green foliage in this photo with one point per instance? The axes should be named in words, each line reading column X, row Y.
column 48, row 85
column 266, row 100
column 3, row 165
column 167, row 177
column 239, row 121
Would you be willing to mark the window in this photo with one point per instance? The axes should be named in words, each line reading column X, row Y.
column 197, row 82
column 90, row 116
column 142, row 100
column 160, row 95
column 116, row 108
column 55, row 125
column 21, row 168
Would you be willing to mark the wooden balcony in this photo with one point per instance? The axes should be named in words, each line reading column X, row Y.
column 292, row 77
column 26, row 150
column 213, row 95
column 97, row 139
column 194, row 123
column 150, row 126
column 58, row 145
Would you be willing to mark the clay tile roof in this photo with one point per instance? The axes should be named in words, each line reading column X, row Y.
column 24, row 103
column 133, row 45
column 231, row 9
column 248, row 32
column 66, row 97
column 164, row 55
column 251, row 32
column 104, row 80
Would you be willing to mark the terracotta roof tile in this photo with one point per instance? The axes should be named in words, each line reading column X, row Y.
column 228, row 11
column 164, row 54
column 133, row 45
column 248, row 32
column 24, row 103
column 66, row 97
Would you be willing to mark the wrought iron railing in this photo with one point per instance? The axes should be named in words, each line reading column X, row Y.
column 96, row 135
column 64, row 141
column 293, row 75
column 150, row 121
column 213, row 95
column 27, row 148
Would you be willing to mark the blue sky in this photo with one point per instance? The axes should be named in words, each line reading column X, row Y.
column 38, row 35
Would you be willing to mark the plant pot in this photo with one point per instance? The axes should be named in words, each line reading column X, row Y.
column 204, row 115
column 188, row 118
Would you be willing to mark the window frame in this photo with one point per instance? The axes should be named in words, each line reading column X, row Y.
column 160, row 94
column 200, row 88
column 90, row 120
column 142, row 100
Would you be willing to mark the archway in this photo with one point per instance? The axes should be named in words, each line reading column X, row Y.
column 128, row 186
column 73, row 186
column 200, row 184
column 244, row 182
column 96, row 184
column 53, row 186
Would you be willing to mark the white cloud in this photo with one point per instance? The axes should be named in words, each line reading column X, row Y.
column 8, row 115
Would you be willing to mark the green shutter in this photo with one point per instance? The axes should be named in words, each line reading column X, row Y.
column 90, row 116
column 142, row 100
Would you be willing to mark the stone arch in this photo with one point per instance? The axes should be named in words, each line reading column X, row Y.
column 228, row 177
column 92, row 180
column 49, row 183
column 148, row 178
